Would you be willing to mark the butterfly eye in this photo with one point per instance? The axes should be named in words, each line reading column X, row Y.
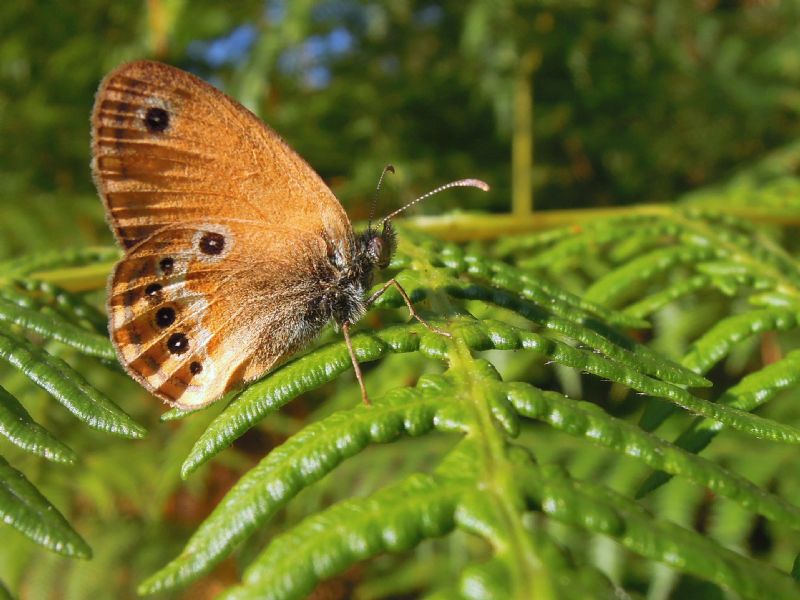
column 375, row 249
column 156, row 119
column 388, row 244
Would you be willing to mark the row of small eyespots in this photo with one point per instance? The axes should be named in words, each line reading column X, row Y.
column 211, row 244
column 177, row 343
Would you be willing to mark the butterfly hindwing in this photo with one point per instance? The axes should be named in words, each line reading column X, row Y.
column 193, row 310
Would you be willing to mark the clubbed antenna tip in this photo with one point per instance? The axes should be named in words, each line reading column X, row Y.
column 476, row 183
column 386, row 169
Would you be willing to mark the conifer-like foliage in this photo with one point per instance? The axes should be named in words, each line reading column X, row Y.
column 583, row 373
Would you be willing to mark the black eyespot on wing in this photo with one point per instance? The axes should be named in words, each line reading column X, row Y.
column 195, row 367
column 156, row 119
column 167, row 265
column 165, row 316
column 212, row 243
column 153, row 289
column 177, row 343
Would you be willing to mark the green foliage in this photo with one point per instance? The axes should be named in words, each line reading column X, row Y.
column 590, row 365
column 470, row 399
column 621, row 93
column 32, row 313
column 23, row 507
column 487, row 484
column 493, row 475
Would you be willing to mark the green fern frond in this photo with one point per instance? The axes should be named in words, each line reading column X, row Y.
column 655, row 539
column 471, row 400
column 67, row 386
column 612, row 287
column 588, row 421
column 693, row 251
column 751, row 392
column 33, row 313
column 488, row 483
column 307, row 457
column 17, row 426
column 326, row 364
column 47, row 298
column 394, row 519
column 717, row 343
column 22, row 506
column 52, row 327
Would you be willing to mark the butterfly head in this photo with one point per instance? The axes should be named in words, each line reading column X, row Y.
column 380, row 245
column 374, row 249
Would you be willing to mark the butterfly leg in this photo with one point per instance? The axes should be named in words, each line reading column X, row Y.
column 407, row 300
column 356, row 366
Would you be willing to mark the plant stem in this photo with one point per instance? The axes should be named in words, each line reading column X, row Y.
column 530, row 579
column 77, row 279
column 473, row 226
column 522, row 136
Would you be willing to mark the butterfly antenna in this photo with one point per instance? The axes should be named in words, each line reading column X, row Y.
column 476, row 183
column 386, row 169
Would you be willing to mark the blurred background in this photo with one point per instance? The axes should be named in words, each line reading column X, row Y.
column 557, row 104
column 572, row 104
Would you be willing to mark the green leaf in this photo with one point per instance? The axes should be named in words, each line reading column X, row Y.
column 25, row 509
column 68, row 387
column 756, row 426
column 45, row 297
column 552, row 298
column 590, row 333
column 18, row 428
column 324, row 364
column 590, row 422
column 613, row 286
column 659, row 540
column 717, row 342
column 587, row 238
column 49, row 326
column 751, row 392
column 675, row 290
column 393, row 519
column 301, row 375
column 300, row 461
column 57, row 259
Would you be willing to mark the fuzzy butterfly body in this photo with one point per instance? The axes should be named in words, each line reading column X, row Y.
column 236, row 252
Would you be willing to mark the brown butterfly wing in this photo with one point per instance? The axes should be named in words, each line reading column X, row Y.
column 168, row 147
column 189, row 325
column 176, row 160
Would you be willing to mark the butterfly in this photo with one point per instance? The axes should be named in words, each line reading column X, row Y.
column 236, row 252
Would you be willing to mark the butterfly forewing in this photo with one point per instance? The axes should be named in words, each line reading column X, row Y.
column 168, row 147
column 226, row 231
